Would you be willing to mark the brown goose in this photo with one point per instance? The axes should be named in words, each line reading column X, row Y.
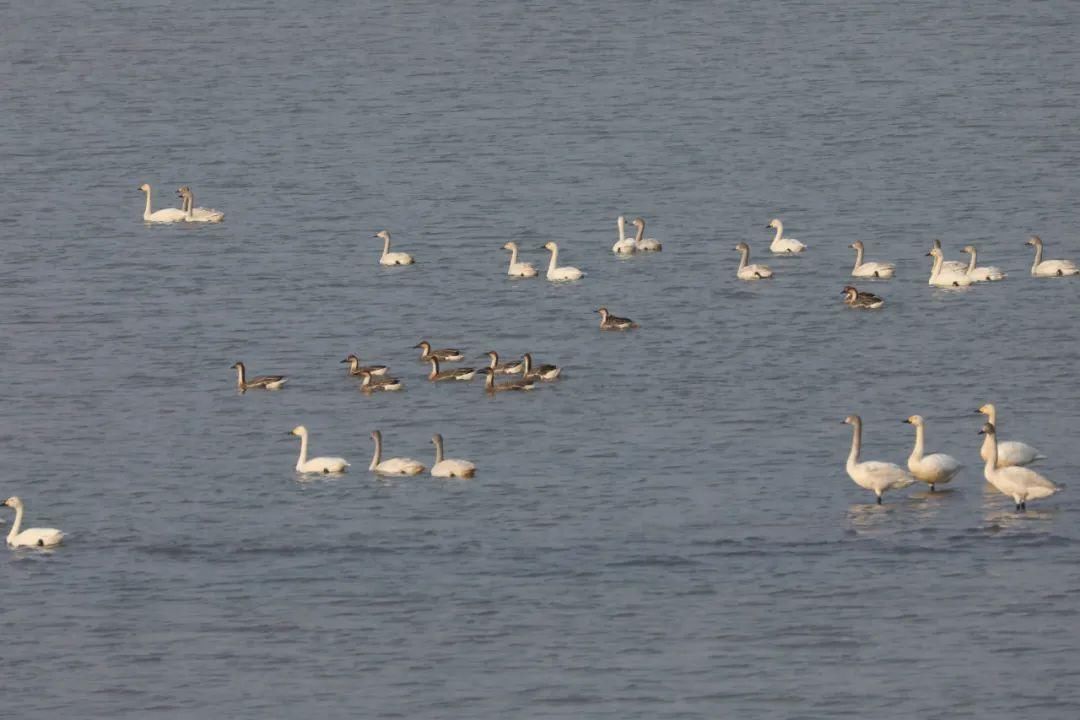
column 506, row 368
column 437, row 375
column 493, row 387
column 370, row 383
column 445, row 354
column 613, row 322
column 857, row 299
column 355, row 368
column 539, row 372
column 262, row 382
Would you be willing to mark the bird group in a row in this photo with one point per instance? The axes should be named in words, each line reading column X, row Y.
column 187, row 212
column 442, row 467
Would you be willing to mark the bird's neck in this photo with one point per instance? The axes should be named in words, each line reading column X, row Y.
column 378, row 453
column 856, row 446
column 15, row 526
column 918, row 449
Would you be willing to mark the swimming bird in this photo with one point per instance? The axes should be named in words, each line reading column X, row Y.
column 444, row 354
column 507, row 368
column 1009, row 452
column 642, row 243
column 624, row 245
column 1041, row 268
column 612, row 322
column 780, row 244
column 871, row 474
column 750, row 272
column 935, row 469
column 392, row 258
column 325, row 465
column 857, row 299
column 197, row 214
column 986, row 273
column 869, row 269
column 262, row 382
column 369, row 383
column 355, row 368
column 543, row 372
column 392, row 466
column 493, row 387
column 555, row 273
column 950, row 266
column 449, row 467
column 30, row 537
column 165, row 215
column 1019, row 483
column 518, row 269
column 945, row 278
column 437, row 375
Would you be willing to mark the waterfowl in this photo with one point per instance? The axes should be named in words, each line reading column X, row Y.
column 780, row 244
column 262, row 382
column 507, row 368
column 624, row 245
column 544, row 372
column 986, row 273
column 871, row 474
column 391, row 258
column 437, row 375
column 444, row 354
column 493, row 387
column 612, row 322
column 1039, row 268
column 642, row 243
column 518, row 269
column 935, row 469
column 370, row 383
column 325, row 465
column 750, row 272
column 556, row 273
column 945, row 278
column 865, row 300
column 355, row 368
column 197, row 214
column 1009, row 452
column 30, row 537
column 165, row 215
column 1019, row 483
column 869, row 269
column 393, row 466
column 449, row 467
column 954, row 266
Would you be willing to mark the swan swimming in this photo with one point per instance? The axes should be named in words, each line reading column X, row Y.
column 165, row 215
column 750, row 272
column 1009, row 452
column 986, row 273
column 324, row 465
column 943, row 278
column 1039, row 268
column 449, row 467
column 391, row 258
column 624, row 245
column 197, row 214
column 780, row 244
column 613, row 322
column 556, row 273
column 262, row 382
column 854, row 298
column 871, row 474
column 1019, row 483
column 642, row 243
column 869, row 269
column 30, row 537
column 935, row 469
column 393, row 466
column 950, row 266
column 518, row 269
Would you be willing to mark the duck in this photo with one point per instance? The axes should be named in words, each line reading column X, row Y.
column 936, row 469
column 1019, row 483
column 444, row 354
column 857, row 299
column 780, row 244
column 1039, row 268
column 624, row 245
column 1009, row 452
column 750, row 272
column 437, row 375
column 545, row 372
column 165, row 215
column 506, row 368
column 449, row 468
column 392, row 258
column 869, row 269
column 197, row 214
column 642, row 243
column 262, row 382
column 556, row 273
column 612, row 322
column 948, row 266
column 324, row 465
column 369, row 383
column 355, row 368
column 30, row 537
column 986, row 273
column 518, row 269
column 945, row 278
column 392, row 466
column 880, row 477
column 493, row 387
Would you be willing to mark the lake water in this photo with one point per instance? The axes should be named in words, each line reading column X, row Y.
column 667, row 532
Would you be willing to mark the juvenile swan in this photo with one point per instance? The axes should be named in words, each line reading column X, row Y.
column 935, row 469
column 624, row 245
column 642, row 243
column 518, row 269
column 262, row 382
column 392, row 258
column 869, row 269
column 1019, row 483
column 30, row 537
column 165, row 215
column 945, row 278
column 197, row 214
column 449, row 467
column 780, row 244
column 325, row 465
column 556, row 273
column 393, row 466
column 865, row 300
column 613, row 322
column 873, row 475
column 750, row 272
column 1009, row 452
column 1039, row 268
column 986, row 273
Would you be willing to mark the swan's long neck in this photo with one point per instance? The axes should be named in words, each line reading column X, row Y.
column 438, row 450
column 856, row 445
column 386, row 245
column 15, row 526
column 640, row 232
column 240, row 379
column 622, row 229
column 991, row 417
column 189, row 205
column 146, row 212
column 513, row 254
column 745, row 252
column 303, row 452
column 920, row 446
column 971, row 262
column 991, row 458
column 1038, row 246
column 779, row 232
column 858, row 256
column 554, row 262
column 938, row 260
column 378, row 453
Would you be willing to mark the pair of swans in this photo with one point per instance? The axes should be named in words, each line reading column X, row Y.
column 392, row 258
column 1019, row 483
column 747, row 271
column 881, row 477
column 951, row 268
column 262, row 382
column 783, row 245
column 638, row 243
column 31, row 537
column 869, row 269
column 1049, row 268
column 187, row 213
column 443, row 467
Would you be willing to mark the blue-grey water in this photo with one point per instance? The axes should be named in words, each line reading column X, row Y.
column 667, row 532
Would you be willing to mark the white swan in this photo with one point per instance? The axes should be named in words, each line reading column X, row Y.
column 780, row 244
column 948, row 266
column 165, row 215
column 873, row 475
column 1039, row 268
column 197, row 214
column 1009, row 452
column 935, row 469
column 391, row 258
column 750, row 272
column 393, row 466
column 449, row 467
column 518, row 269
column 323, row 465
column 986, row 273
column 869, row 269
column 1019, row 483
column 30, row 537
column 556, row 273
column 945, row 278
column 624, row 245
column 642, row 243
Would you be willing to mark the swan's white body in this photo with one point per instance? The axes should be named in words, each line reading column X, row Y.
column 950, row 266
column 30, row 537
column 165, row 215
column 869, row 269
column 392, row 466
column 624, row 245
column 392, row 258
column 642, row 243
column 747, row 271
column 986, row 273
column 518, row 269
column 1019, row 483
column 449, row 467
column 325, row 465
column 556, row 273
column 934, row 469
column 939, row 277
column 198, row 214
column 1047, row 268
column 1009, row 452
column 782, row 245
column 871, row 474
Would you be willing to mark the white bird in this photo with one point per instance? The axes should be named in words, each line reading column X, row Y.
column 624, row 245
column 940, row 277
column 393, row 466
column 869, row 269
column 1039, row 268
column 935, row 469
column 986, row 273
column 871, row 474
column 1009, row 452
column 391, row 258
column 30, row 537
column 262, row 382
column 1019, row 483
column 449, row 467
column 556, row 273
column 518, row 269
column 325, row 465
column 642, row 243
column 197, row 214
column 780, row 244
column 750, row 272
column 950, row 265
column 165, row 215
